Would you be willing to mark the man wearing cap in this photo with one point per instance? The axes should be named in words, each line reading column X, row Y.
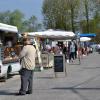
column 27, row 60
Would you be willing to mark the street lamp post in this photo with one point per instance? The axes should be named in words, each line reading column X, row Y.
column 79, row 46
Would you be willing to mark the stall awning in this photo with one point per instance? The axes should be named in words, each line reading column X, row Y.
column 88, row 35
column 53, row 34
column 8, row 28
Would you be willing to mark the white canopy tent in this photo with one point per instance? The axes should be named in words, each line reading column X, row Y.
column 8, row 28
column 83, row 39
column 52, row 34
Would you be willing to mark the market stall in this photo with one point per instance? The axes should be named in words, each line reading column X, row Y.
column 48, row 38
column 9, row 49
column 8, row 40
column 85, row 39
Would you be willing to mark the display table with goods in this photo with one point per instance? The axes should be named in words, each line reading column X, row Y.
column 10, row 60
column 10, row 54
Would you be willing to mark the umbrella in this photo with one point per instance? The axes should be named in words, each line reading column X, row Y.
column 83, row 39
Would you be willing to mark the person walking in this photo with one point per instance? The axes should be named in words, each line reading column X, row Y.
column 72, row 51
column 27, row 61
column 75, row 53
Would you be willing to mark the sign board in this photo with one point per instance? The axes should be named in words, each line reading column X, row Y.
column 59, row 63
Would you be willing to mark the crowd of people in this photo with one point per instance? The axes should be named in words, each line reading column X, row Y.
column 72, row 50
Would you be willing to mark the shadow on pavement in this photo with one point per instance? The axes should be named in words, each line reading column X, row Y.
column 6, row 93
column 90, row 67
column 78, row 88
column 74, row 63
column 45, row 77
column 3, row 79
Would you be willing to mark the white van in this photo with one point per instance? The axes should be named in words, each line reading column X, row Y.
column 9, row 50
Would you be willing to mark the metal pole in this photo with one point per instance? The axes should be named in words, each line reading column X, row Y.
column 79, row 46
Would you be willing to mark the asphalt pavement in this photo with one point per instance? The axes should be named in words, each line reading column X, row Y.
column 82, row 82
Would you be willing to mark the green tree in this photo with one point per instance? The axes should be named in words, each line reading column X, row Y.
column 12, row 18
column 73, row 6
column 54, row 12
column 5, row 17
column 97, row 27
column 88, row 9
column 31, row 24
column 16, row 18
column 60, row 14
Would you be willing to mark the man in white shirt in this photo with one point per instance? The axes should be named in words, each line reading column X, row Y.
column 27, row 60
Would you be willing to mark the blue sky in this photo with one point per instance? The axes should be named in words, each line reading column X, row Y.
column 27, row 7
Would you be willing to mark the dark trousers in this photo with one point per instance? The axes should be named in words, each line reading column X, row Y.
column 75, row 54
column 71, row 56
column 26, row 80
